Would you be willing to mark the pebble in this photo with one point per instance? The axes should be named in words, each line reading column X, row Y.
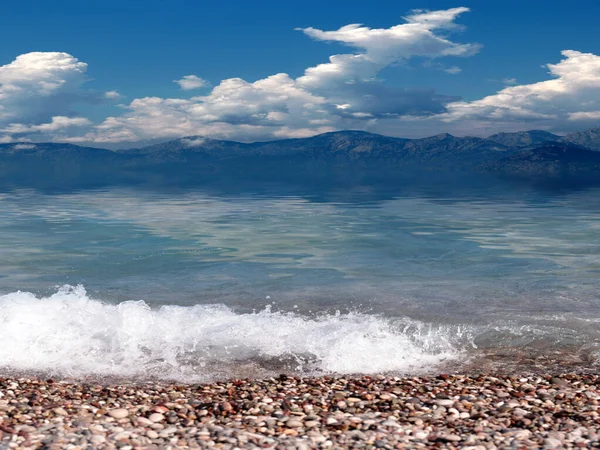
column 293, row 423
column 156, row 417
column 97, row 439
column 552, row 443
column 60, row 411
column 449, row 411
column 119, row 413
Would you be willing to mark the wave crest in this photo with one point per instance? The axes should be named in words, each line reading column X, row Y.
column 71, row 334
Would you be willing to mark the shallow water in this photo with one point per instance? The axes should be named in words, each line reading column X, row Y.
column 192, row 285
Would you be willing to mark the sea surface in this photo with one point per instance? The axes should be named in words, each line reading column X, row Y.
column 194, row 285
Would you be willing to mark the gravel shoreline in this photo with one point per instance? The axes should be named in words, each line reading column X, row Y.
column 445, row 411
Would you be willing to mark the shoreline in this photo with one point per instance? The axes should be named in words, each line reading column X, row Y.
column 474, row 411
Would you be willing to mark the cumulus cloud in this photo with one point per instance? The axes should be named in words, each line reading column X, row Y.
column 282, row 106
column 38, row 94
column 348, row 75
column 36, row 86
column 573, row 94
column 57, row 123
column 189, row 82
column 38, row 91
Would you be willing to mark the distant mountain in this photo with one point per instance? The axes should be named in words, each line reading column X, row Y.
column 52, row 150
column 553, row 159
column 524, row 138
column 343, row 155
column 329, row 144
column 50, row 156
column 355, row 144
column 53, row 164
column 588, row 138
column 335, row 147
column 189, row 144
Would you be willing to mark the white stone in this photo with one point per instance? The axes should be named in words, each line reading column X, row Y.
column 152, row 434
column 119, row 413
column 156, row 417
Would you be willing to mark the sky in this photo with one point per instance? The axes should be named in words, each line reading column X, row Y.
column 118, row 74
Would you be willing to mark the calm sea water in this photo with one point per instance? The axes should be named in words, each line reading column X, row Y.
column 193, row 286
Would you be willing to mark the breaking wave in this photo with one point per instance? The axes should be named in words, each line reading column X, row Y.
column 71, row 334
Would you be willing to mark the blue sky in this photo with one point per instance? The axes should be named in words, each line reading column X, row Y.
column 398, row 88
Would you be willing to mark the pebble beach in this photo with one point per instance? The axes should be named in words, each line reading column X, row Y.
column 285, row 412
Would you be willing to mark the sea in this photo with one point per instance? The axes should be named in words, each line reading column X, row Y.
column 198, row 284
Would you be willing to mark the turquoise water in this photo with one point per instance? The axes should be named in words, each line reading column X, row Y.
column 193, row 285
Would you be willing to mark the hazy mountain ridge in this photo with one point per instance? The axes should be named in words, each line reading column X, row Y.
column 335, row 146
column 587, row 138
column 554, row 159
column 524, row 138
column 532, row 152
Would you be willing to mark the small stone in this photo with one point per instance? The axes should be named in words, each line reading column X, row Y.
column 167, row 432
column 439, row 412
column 519, row 412
column 226, row 406
column 451, row 438
column 142, row 421
column 152, row 434
column 97, row 439
column 522, row 434
column 123, row 435
column 60, row 411
column 552, row 443
column 390, row 423
column 558, row 382
column 293, row 423
column 421, row 435
column 156, row 417
column 119, row 413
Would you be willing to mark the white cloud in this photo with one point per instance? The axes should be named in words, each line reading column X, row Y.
column 57, row 123
column 342, row 93
column 585, row 115
column 38, row 90
column 189, row 82
column 454, row 70
column 572, row 94
column 193, row 141
column 113, row 95
column 39, row 85
column 24, row 146
column 384, row 47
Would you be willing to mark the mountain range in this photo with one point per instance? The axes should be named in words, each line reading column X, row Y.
column 529, row 153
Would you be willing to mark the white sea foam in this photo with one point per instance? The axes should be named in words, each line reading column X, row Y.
column 70, row 334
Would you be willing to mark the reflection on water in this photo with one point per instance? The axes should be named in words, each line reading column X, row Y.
column 520, row 267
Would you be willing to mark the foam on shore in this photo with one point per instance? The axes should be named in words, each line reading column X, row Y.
column 71, row 334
